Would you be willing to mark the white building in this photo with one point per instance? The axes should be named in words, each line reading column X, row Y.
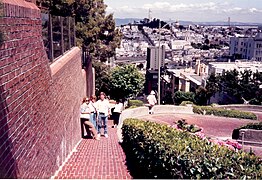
column 219, row 68
column 247, row 47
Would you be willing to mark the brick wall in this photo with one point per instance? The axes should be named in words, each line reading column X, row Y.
column 39, row 103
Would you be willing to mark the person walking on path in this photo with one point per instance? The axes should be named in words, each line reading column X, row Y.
column 85, row 119
column 103, row 110
column 117, row 112
column 151, row 98
column 93, row 110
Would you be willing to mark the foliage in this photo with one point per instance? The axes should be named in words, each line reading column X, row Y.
column 135, row 103
column 237, row 85
column 182, row 124
column 255, row 126
column 184, row 103
column 223, row 112
column 168, row 99
column 95, row 30
column 102, row 76
column 201, row 96
column 212, row 86
column 125, row 82
column 158, row 151
column 181, row 96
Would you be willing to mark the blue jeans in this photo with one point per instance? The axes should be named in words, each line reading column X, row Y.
column 93, row 119
column 102, row 121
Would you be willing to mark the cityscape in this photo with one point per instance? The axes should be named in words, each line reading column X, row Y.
column 103, row 89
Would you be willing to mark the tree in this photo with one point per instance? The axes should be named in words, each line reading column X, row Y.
column 201, row 96
column 212, row 86
column 102, row 77
column 126, row 81
column 181, row 96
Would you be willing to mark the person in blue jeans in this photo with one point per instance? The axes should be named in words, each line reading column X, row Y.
column 103, row 110
column 93, row 111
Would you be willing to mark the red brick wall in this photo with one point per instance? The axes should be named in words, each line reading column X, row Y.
column 39, row 103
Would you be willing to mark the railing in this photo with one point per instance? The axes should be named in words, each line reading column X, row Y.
column 58, row 35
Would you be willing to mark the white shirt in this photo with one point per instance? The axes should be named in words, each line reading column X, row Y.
column 118, row 107
column 103, row 106
column 151, row 99
column 92, row 106
column 85, row 109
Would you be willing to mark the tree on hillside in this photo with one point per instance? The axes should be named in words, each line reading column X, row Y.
column 126, row 81
column 95, row 30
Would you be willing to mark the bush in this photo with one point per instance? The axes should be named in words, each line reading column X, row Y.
column 135, row 103
column 255, row 101
column 223, row 112
column 184, row 103
column 255, row 126
column 159, row 151
column 180, row 96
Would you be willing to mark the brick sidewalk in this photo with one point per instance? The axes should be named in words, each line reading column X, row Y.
column 93, row 159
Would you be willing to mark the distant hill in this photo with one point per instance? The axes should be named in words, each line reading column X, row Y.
column 123, row 21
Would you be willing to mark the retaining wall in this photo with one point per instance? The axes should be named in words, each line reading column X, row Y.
column 39, row 105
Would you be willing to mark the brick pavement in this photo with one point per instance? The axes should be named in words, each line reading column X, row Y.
column 93, row 159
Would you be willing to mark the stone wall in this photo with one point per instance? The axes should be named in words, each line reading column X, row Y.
column 39, row 102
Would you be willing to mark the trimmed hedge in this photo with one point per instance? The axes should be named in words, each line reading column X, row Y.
column 224, row 112
column 135, row 103
column 159, row 151
column 255, row 126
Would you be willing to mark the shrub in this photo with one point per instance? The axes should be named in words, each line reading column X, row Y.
column 255, row 126
column 255, row 101
column 223, row 112
column 180, row 96
column 184, row 103
column 136, row 103
column 158, row 151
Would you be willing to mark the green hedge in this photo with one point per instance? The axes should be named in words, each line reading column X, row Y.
column 158, row 151
column 255, row 126
column 224, row 112
column 135, row 103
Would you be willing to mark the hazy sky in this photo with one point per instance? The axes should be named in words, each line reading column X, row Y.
column 190, row 10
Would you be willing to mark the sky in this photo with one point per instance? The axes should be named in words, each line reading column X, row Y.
column 189, row 10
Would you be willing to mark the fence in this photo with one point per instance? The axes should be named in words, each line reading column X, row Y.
column 58, row 35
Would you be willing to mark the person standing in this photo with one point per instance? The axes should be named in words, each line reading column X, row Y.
column 117, row 112
column 151, row 98
column 103, row 110
column 85, row 119
column 93, row 111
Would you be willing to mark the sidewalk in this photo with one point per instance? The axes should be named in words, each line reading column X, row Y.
column 102, row 159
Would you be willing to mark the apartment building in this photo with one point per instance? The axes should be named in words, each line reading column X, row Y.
column 247, row 47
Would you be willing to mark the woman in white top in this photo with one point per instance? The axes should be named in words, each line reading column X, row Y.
column 85, row 117
column 152, row 101
column 117, row 112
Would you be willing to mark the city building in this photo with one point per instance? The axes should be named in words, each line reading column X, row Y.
column 153, row 57
column 246, row 47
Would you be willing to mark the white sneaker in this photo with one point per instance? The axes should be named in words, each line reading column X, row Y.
column 106, row 136
column 98, row 135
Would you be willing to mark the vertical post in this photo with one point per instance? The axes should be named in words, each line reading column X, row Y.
column 74, row 30
column 159, row 64
column 50, row 38
column 62, row 35
column 243, row 134
column 69, row 33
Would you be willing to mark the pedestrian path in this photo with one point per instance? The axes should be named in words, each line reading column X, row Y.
column 93, row 159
